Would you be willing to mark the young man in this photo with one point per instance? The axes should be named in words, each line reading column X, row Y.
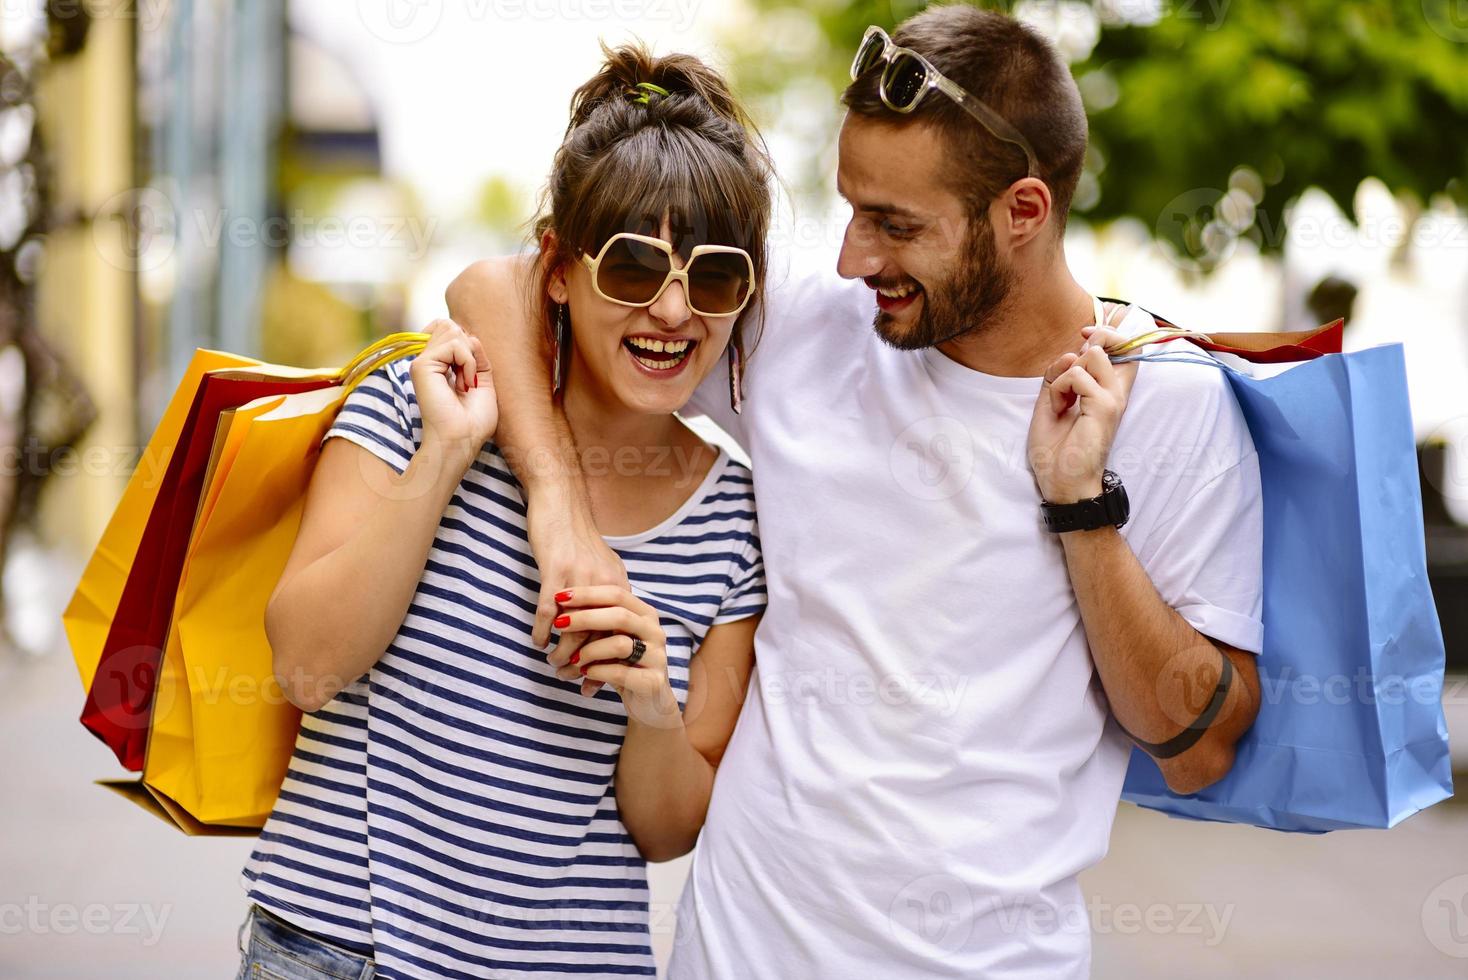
column 936, row 735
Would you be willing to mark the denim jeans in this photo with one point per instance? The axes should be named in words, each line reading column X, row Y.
column 279, row 951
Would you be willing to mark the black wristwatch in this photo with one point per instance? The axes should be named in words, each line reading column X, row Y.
column 1111, row 508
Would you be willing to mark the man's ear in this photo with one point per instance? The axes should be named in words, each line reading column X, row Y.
column 1025, row 210
column 555, row 279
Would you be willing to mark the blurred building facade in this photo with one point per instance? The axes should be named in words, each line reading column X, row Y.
column 86, row 296
column 193, row 176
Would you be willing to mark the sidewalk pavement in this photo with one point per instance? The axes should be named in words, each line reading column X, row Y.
column 91, row 885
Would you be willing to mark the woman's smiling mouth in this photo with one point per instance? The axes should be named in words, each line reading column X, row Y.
column 658, row 356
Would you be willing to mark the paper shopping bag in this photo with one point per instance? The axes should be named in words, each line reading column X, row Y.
column 222, row 729
column 1350, row 731
column 119, row 697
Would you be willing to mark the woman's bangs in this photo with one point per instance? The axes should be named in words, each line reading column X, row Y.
column 656, row 175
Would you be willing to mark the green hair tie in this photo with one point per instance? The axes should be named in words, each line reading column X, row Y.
column 648, row 91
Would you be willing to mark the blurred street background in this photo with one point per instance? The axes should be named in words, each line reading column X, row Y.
column 290, row 179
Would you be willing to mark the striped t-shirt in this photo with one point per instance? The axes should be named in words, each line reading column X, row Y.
column 452, row 812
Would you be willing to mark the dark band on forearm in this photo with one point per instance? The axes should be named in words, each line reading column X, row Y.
column 1189, row 736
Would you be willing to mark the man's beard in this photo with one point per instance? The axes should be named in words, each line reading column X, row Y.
column 961, row 303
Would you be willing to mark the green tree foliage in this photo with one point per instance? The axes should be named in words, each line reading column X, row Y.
column 1209, row 117
column 1280, row 96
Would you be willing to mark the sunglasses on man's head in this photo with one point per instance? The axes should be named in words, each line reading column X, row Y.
column 634, row 270
column 907, row 77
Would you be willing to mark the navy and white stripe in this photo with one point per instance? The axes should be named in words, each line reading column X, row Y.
column 452, row 813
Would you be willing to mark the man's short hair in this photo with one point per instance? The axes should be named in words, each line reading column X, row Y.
column 1017, row 73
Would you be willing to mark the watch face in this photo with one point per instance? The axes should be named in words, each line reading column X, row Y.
column 1109, row 480
column 1117, row 503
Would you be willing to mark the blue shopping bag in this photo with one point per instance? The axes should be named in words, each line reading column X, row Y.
column 1350, row 731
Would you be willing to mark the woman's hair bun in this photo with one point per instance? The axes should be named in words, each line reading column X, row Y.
column 627, row 66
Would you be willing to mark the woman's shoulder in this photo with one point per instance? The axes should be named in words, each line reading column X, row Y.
column 399, row 371
column 724, row 478
column 737, row 477
column 726, row 504
column 718, row 509
column 392, row 381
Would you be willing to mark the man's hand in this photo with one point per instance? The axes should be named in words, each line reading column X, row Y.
column 610, row 619
column 1157, row 670
column 570, row 551
column 495, row 301
column 1076, row 417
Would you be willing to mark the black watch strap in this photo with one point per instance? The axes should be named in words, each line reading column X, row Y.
column 1111, row 509
column 1189, row 736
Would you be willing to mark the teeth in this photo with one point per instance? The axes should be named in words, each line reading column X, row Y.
column 897, row 292
column 658, row 346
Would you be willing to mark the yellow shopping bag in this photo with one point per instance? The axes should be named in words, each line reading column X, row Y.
column 88, row 617
column 222, row 731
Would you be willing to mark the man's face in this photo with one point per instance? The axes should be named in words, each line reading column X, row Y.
column 937, row 274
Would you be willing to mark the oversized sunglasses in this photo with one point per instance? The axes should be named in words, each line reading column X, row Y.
column 908, row 77
column 634, row 270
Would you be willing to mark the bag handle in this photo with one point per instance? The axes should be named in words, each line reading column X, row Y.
column 1260, row 348
column 380, row 344
column 1165, row 331
column 388, row 349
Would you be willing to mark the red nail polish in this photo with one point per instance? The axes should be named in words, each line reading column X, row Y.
column 562, row 621
column 585, row 669
column 563, row 596
column 576, row 657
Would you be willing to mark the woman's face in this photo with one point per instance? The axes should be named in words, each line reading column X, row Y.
column 651, row 358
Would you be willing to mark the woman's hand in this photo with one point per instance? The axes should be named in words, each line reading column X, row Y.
column 615, row 617
column 455, row 390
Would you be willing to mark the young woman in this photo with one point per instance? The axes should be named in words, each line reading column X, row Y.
column 460, row 803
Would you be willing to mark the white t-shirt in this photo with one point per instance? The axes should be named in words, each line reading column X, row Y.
column 926, row 760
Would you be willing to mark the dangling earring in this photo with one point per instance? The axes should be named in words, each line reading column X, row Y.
column 736, row 377
column 562, row 361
